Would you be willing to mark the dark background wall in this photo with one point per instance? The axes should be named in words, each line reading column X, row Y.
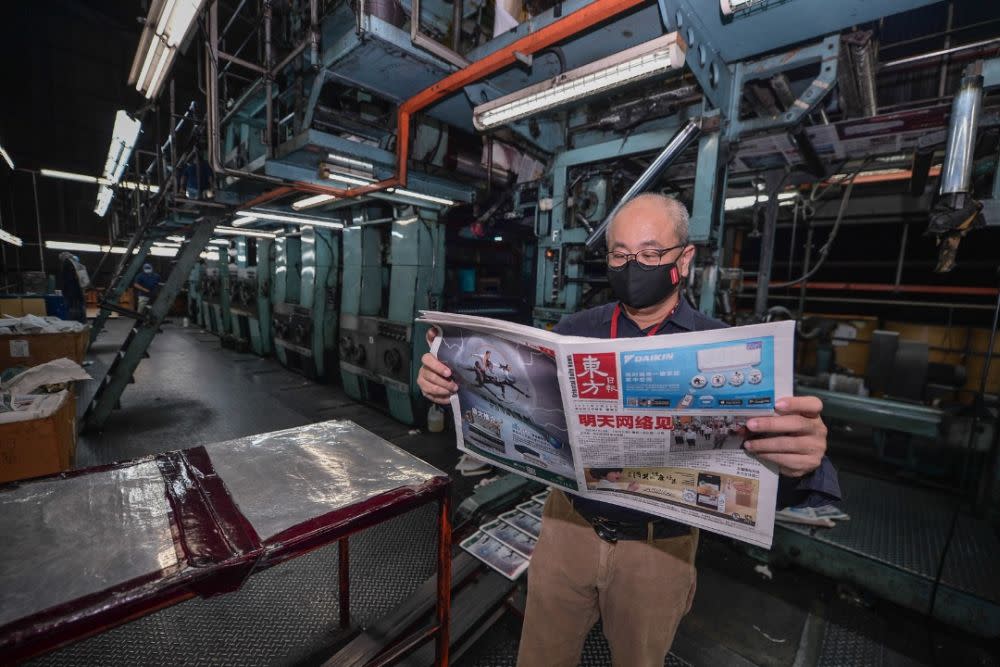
column 63, row 77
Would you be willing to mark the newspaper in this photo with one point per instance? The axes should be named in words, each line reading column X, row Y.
column 655, row 424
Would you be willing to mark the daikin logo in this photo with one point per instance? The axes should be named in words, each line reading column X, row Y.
column 642, row 358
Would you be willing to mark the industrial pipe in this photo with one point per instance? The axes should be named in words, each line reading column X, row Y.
column 890, row 287
column 582, row 19
column 956, row 172
column 974, row 46
column 681, row 140
column 774, row 179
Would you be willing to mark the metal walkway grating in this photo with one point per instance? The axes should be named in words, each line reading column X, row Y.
column 907, row 527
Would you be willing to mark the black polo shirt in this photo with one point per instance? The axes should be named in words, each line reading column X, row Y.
column 817, row 488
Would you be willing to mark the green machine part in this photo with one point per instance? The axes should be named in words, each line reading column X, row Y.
column 417, row 281
column 261, row 328
column 194, row 293
column 236, row 315
column 361, row 296
column 380, row 347
column 215, row 296
column 320, row 265
column 285, row 286
column 250, row 309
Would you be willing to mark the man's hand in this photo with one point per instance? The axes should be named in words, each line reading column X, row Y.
column 796, row 436
column 434, row 378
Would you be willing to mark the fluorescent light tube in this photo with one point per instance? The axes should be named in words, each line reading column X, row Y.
column 320, row 223
column 104, row 197
column 68, row 176
column 224, row 242
column 7, row 237
column 638, row 63
column 310, row 202
column 737, row 203
column 350, row 180
column 123, row 138
column 245, row 220
column 282, row 217
column 6, row 157
column 160, row 251
column 176, row 239
column 79, row 247
column 419, row 195
column 84, row 178
column 233, row 231
column 167, row 26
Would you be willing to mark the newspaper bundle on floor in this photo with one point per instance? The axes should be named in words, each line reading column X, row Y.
column 655, row 424
column 507, row 543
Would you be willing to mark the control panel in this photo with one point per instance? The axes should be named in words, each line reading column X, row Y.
column 376, row 348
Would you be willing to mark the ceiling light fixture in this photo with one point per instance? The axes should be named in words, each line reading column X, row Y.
column 233, row 231
column 422, row 197
column 167, row 26
column 78, row 247
column 738, row 203
column 310, row 202
column 295, row 220
column 104, row 197
column 638, row 63
column 123, row 138
column 84, row 178
column 7, row 237
column 350, row 180
column 6, row 157
column 68, row 176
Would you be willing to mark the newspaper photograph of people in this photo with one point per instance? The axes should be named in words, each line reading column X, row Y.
column 656, row 424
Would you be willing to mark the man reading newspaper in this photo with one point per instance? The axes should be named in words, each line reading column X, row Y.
column 634, row 570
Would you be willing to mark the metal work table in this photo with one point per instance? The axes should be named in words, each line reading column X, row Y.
column 91, row 549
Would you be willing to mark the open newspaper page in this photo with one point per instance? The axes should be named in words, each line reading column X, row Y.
column 655, row 424
column 508, row 409
column 658, row 423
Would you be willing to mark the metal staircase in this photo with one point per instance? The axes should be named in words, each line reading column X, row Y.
column 148, row 322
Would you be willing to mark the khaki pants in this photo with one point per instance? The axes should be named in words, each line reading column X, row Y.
column 641, row 590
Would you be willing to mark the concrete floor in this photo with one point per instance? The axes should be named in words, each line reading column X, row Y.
column 192, row 391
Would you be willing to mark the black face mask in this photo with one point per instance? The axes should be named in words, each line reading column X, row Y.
column 640, row 288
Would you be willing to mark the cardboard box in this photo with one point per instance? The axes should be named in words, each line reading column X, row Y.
column 11, row 306
column 34, row 306
column 33, row 349
column 39, row 446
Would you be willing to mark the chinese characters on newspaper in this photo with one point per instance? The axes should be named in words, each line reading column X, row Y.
column 656, row 424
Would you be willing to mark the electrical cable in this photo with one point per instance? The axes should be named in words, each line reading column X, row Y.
column 825, row 250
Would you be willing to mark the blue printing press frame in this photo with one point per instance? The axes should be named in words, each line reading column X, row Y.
column 90, row 549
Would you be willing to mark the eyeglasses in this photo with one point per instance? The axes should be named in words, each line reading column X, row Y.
column 649, row 258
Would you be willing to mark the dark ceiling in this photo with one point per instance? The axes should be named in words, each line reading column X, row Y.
column 64, row 73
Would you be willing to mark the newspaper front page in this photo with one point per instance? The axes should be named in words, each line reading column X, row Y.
column 655, row 424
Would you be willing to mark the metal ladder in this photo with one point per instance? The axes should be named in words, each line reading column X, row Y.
column 122, row 279
column 147, row 323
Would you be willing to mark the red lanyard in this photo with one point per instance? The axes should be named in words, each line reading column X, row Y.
column 652, row 332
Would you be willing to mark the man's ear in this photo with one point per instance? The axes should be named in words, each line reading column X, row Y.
column 687, row 259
